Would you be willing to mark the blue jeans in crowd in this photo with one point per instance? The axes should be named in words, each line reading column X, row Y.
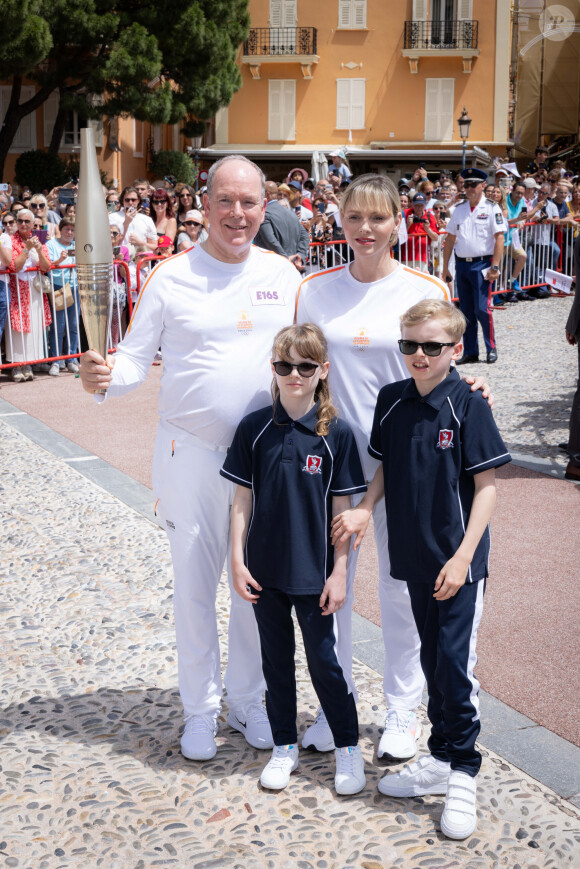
column 68, row 339
column 4, row 305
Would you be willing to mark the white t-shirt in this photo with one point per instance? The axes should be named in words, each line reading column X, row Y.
column 215, row 323
column 141, row 225
column 361, row 324
column 6, row 243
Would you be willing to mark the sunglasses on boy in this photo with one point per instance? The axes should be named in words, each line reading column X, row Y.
column 429, row 348
column 468, row 184
column 304, row 369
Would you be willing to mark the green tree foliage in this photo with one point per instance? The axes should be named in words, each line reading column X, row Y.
column 157, row 62
column 174, row 163
column 39, row 170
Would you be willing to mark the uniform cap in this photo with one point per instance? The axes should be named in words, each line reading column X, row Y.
column 473, row 174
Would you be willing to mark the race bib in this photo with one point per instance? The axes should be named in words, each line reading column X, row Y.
column 264, row 296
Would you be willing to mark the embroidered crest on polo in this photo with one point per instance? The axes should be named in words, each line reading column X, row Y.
column 445, row 438
column 313, row 465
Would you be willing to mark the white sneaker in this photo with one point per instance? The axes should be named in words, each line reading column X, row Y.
column 458, row 820
column 54, row 369
column 319, row 735
column 197, row 742
column 350, row 770
column 276, row 773
column 399, row 739
column 28, row 373
column 253, row 722
column 72, row 366
column 18, row 375
column 428, row 775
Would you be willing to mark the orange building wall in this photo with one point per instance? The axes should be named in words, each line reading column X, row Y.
column 395, row 98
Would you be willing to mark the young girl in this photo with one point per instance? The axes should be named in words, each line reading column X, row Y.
column 296, row 465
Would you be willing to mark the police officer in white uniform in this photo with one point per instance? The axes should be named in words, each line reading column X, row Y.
column 475, row 230
column 213, row 310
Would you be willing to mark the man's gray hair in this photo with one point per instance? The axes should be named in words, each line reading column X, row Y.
column 240, row 158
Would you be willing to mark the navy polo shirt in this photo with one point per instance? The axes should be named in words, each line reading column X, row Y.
column 431, row 447
column 293, row 474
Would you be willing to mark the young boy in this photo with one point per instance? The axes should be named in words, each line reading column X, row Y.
column 439, row 445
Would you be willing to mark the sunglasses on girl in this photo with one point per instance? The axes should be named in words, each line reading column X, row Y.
column 191, row 223
column 429, row 348
column 8, row 222
column 185, row 195
column 35, row 205
column 304, row 369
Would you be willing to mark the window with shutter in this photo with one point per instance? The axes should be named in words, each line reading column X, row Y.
column 49, row 113
column 439, row 99
column 352, row 14
column 464, row 10
column 283, row 13
column 138, row 138
column 282, row 110
column 350, row 103
column 25, row 138
column 419, row 10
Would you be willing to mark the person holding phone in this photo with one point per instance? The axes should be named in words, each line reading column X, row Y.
column 30, row 312
column 65, row 321
column 137, row 229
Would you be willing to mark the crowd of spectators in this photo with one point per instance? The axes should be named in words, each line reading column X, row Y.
column 149, row 221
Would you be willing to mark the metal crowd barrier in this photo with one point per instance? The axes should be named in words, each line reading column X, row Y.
column 32, row 340
column 547, row 246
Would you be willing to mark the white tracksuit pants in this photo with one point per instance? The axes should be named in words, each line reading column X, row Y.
column 403, row 679
column 194, row 503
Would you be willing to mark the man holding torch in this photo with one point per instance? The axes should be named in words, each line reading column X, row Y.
column 213, row 310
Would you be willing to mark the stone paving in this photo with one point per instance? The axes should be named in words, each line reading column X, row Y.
column 90, row 720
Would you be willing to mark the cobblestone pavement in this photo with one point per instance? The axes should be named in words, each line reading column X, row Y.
column 90, row 720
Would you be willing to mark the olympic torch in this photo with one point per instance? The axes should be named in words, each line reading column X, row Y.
column 94, row 253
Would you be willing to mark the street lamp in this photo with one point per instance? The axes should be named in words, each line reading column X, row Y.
column 464, row 123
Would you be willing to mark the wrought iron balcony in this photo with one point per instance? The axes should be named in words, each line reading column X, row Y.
column 440, row 35
column 280, row 42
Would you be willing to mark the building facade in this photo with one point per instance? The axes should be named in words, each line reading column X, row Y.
column 383, row 78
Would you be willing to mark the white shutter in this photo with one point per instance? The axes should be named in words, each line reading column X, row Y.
column 49, row 113
column 439, row 97
column 343, row 103
column 464, row 10
column 446, row 96
column 350, row 103
column 344, row 13
column 289, row 16
column 431, row 109
column 25, row 138
column 359, row 13
column 157, row 133
column 275, row 13
column 282, row 110
column 357, row 104
column 138, row 138
column 175, row 129
column 419, row 10
column 96, row 124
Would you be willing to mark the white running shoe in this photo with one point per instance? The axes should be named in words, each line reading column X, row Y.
column 28, row 373
column 54, row 369
column 198, row 742
column 276, row 773
column 319, row 735
column 428, row 775
column 350, row 770
column 73, row 366
column 253, row 722
column 458, row 820
column 399, row 739
column 18, row 375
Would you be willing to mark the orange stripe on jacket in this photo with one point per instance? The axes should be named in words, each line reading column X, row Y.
column 309, row 278
column 433, row 280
